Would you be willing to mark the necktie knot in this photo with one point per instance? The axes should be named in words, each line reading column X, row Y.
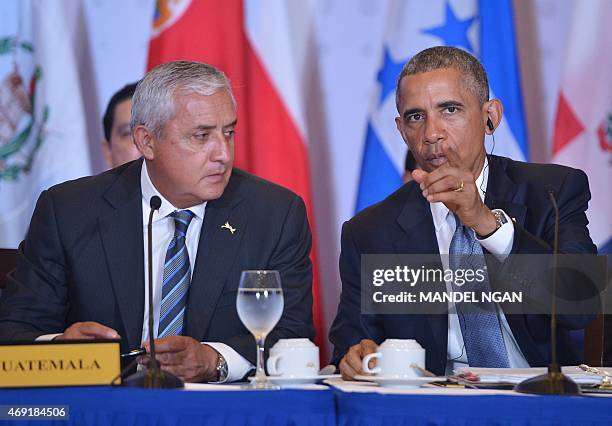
column 182, row 219
column 463, row 240
column 458, row 225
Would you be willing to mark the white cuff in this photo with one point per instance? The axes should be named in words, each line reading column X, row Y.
column 500, row 243
column 237, row 365
column 47, row 337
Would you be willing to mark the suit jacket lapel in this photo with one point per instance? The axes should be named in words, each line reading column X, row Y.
column 121, row 230
column 415, row 220
column 503, row 193
column 217, row 250
column 419, row 237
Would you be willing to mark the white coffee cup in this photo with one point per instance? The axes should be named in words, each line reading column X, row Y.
column 395, row 357
column 293, row 358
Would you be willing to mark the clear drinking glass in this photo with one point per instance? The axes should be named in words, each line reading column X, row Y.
column 260, row 305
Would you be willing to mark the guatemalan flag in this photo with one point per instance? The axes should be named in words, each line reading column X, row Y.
column 43, row 136
column 483, row 28
column 258, row 48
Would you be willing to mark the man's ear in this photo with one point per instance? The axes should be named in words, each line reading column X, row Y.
column 492, row 110
column 145, row 142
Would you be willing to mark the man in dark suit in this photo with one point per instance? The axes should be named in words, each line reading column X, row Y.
column 461, row 201
column 82, row 267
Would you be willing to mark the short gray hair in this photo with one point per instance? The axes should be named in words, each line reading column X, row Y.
column 153, row 103
column 440, row 57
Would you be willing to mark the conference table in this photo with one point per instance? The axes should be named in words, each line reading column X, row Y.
column 341, row 404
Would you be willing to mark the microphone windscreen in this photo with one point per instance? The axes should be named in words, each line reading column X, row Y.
column 155, row 202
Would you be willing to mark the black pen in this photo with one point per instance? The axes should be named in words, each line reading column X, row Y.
column 134, row 352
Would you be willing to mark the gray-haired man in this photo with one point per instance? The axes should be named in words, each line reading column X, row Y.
column 81, row 272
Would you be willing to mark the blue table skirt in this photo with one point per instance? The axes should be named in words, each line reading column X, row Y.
column 372, row 409
column 97, row 406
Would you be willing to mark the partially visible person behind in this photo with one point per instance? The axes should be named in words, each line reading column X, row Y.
column 118, row 145
column 409, row 166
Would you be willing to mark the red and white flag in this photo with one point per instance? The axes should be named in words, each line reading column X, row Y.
column 583, row 122
column 259, row 50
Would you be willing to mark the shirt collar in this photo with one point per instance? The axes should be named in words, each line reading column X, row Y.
column 149, row 190
column 440, row 212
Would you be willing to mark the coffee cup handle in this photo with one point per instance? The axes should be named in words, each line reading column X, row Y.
column 366, row 361
column 272, row 365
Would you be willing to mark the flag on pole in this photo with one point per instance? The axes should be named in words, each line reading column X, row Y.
column 254, row 43
column 486, row 30
column 583, row 123
column 43, row 139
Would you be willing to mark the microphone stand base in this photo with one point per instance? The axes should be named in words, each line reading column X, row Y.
column 153, row 378
column 551, row 383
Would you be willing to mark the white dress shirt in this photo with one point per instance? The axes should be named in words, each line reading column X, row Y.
column 500, row 245
column 163, row 231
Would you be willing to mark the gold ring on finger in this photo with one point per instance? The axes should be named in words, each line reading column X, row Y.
column 460, row 188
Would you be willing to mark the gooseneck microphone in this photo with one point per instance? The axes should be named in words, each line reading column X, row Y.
column 553, row 310
column 554, row 382
column 153, row 377
column 155, row 204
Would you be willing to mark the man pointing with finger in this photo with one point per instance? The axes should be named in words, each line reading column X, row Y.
column 461, row 201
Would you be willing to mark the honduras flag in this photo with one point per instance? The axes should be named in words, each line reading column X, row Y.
column 485, row 29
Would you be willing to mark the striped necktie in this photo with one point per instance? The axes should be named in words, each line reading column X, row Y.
column 480, row 326
column 177, row 276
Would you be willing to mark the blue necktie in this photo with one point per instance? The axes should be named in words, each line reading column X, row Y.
column 177, row 275
column 481, row 329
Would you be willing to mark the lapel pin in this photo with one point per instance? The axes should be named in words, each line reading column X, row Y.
column 229, row 227
column 513, row 219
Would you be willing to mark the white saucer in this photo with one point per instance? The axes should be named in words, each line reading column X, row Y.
column 400, row 382
column 299, row 380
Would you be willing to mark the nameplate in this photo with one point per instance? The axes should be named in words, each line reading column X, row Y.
column 59, row 363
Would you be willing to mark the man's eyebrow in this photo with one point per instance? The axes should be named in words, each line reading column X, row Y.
column 446, row 104
column 232, row 124
column 204, row 127
column 411, row 111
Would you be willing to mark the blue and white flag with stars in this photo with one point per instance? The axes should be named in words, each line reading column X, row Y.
column 483, row 28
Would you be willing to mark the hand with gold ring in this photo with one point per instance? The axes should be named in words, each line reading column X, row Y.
column 454, row 185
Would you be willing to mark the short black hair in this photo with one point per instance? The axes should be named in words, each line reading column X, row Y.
column 124, row 94
column 441, row 57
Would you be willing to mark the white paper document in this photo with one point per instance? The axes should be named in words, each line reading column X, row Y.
column 517, row 375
